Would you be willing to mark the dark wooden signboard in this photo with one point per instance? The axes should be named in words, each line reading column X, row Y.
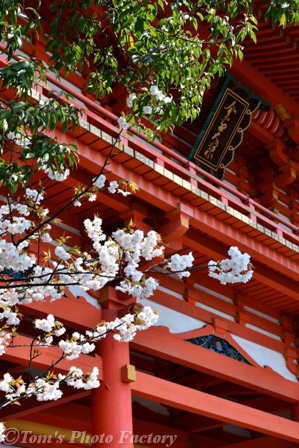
column 224, row 128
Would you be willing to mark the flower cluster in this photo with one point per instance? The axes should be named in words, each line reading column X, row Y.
column 59, row 176
column 47, row 324
column 130, row 99
column 114, row 188
column 124, row 328
column 19, row 139
column 157, row 98
column 134, row 246
column 118, row 257
column 128, row 326
column 73, row 349
column 14, row 224
column 232, row 270
column 147, row 110
column 99, row 181
column 114, row 258
column 123, row 123
column 4, row 340
column 180, row 264
column 78, row 380
column 154, row 91
column 46, row 388
column 2, row 430
column 99, row 184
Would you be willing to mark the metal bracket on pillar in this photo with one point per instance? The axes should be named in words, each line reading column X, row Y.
column 128, row 373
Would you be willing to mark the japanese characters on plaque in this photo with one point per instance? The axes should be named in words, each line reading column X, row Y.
column 223, row 131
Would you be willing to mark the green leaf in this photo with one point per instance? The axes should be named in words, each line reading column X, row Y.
column 139, row 25
column 4, row 114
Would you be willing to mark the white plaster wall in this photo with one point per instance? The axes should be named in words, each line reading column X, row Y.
column 170, row 292
column 213, row 310
column 266, row 357
column 213, row 293
column 77, row 291
column 180, row 323
column 260, row 330
column 175, row 321
column 258, row 313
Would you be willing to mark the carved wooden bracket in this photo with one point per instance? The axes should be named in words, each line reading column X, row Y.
column 137, row 214
column 176, row 227
column 276, row 149
column 292, row 126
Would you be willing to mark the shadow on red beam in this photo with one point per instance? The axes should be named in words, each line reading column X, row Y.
column 180, row 397
column 31, row 405
column 20, row 355
column 262, row 442
column 173, row 349
column 72, row 312
column 35, row 443
column 183, row 439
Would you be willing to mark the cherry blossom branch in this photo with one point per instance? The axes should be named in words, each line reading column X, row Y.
column 77, row 196
column 46, row 385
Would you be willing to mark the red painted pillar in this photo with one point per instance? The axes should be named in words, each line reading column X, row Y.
column 111, row 403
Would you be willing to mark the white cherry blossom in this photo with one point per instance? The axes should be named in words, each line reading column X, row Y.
column 117, row 257
column 232, row 270
column 123, row 123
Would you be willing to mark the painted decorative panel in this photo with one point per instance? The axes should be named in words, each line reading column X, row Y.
column 218, row 345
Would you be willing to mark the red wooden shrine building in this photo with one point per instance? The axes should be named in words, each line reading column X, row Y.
column 220, row 369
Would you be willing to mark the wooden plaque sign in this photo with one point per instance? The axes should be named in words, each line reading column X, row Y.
column 224, row 128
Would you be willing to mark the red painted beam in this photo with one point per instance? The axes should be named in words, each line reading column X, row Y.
column 183, row 438
column 20, row 355
column 74, row 414
column 260, row 85
column 72, row 312
column 223, row 231
column 167, row 201
column 209, row 224
column 31, row 405
column 208, row 316
column 262, row 442
column 260, row 133
column 174, row 349
column 180, row 397
column 263, row 274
